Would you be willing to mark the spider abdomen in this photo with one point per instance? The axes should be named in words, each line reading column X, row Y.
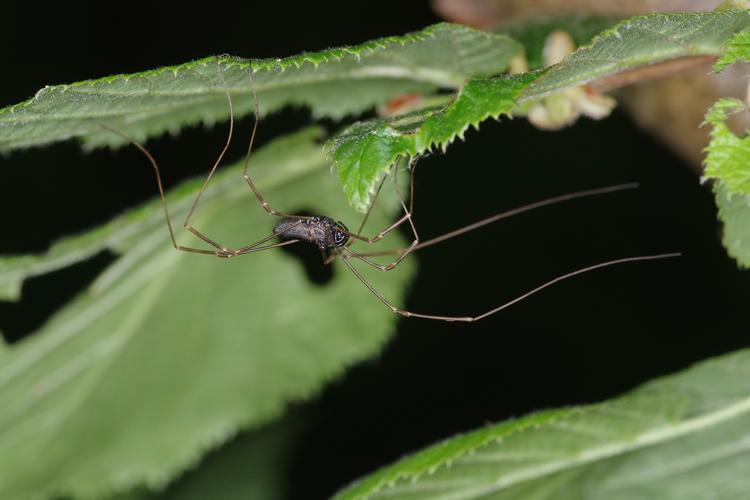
column 319, row 230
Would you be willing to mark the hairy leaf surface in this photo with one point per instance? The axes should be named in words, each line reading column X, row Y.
column 641, row 41
column 365, row 151
column 728, row 164
column 333, row 83
column 728, row 156
column 737, row 49
column 533, row 31
column 682, row 436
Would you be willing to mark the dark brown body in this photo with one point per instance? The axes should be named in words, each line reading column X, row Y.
column 319, row 230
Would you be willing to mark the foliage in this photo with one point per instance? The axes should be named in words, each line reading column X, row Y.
column 364, row 152
column 738, row 48
column 682, row 436
column 728, row 162
column 164, row 322
column 333, row 83
column 532, row 32
column 215, row 348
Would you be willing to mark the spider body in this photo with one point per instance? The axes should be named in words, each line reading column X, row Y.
column 321, row 231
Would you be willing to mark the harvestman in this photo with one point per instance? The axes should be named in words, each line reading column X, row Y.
column 334, row 239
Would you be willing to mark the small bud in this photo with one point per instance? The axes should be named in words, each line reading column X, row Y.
column 558, row 45
column 518, row 64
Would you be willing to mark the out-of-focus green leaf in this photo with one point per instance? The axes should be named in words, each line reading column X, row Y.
column 333, row 83
column 171, row 354
column 682, row 436
column 253, row 465
column 143, row 226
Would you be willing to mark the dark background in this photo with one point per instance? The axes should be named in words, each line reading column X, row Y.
column 587, row 339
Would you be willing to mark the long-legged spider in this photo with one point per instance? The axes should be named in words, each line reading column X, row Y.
column 334, row 239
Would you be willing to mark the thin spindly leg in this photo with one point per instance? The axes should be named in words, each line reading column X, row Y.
column 467, row 319
column 263, row 203
column 253, row 248
column 220, row 250
column 500, row 216
column 349, row 253
column 372, row 205
column 187, row 225
column 407, row 211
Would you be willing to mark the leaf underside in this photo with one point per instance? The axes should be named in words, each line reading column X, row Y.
column 332, row 83
column 173, row 353
column 350, row 80
column 532, row 31
column 365, row 151
column 682, row 436
column 252, row 466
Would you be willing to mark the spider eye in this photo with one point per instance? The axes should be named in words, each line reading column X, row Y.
column 340, row 235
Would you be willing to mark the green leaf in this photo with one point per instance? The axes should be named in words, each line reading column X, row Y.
column 682, row 436
column 365, row 151
column 727, row 155
column 172, row 353
column 641, row 41
column 333, row 83
column 117, row 235
column 253, row 465
column 737, row 49
column 532, row 32
column 734, row 212
column 728, row 164
column 143, row 226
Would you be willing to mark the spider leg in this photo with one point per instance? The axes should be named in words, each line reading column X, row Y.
column 407, row 211
column 252, row 248
column 383, row 267
column 187, row 225
column 261, row 199
column 369, row 210
column 349, row 253
column 499, row 216
column 468, row 319
column 220, row 250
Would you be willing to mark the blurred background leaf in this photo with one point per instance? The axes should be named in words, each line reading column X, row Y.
column 170, row 354
column 254, row 465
